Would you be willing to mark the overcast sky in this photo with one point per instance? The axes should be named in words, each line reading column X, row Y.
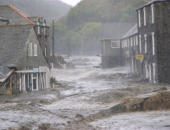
column 71, row 2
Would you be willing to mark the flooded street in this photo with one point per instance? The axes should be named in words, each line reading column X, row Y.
column 84, row 65
column 80, row 92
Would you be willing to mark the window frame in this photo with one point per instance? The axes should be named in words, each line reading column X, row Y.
column 146, row 44
column 153, row 13
column 115, row 44
column 139, row 18
column 140, row 44
column 30, row 49
column 144, row 16
column 153, row 43
column 35, row 50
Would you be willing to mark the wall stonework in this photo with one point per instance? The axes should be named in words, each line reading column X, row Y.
column 111, row 56
column 153, row 32
column 159, row 60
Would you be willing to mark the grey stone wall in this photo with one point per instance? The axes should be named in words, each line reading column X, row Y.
column 111, row 56
column 14, row 49
column 161, row 29
column 163, row 41
column 38, row 60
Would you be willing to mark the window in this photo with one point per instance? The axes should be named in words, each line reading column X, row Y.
column 35, row 50
column 136, row 40
column 154, row 72
column 145, row 37
column 146, row 71
column 150, row 72
column 153, row 43
column 132, row 66
column 139, row 18
column 30, row 49
column 152, row 13
column 132, row 42
column 129, row 44
column 35, row 81
column 144, row 13
column 45, row 51
column 115, row 44
column 140, row 44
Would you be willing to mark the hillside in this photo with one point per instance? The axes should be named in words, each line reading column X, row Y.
column 50, row 9
column 103, row 11
column 81, row 30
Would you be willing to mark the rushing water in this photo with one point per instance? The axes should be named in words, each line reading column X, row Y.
column 88, row 77
column 80, row 86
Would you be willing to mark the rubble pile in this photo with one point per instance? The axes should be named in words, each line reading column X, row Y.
column 158, row 101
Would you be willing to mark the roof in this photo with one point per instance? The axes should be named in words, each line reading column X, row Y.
column 153, row 1
column 5, row 72
column 110, row 39
column 131, row 32
column 6, row 12
column 21, row 14
column 12, row 44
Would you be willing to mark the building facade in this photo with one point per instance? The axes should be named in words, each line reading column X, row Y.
column 24, row 47
column 110, row 53
column 130, row 50
column 147, row 49
column 154, row 32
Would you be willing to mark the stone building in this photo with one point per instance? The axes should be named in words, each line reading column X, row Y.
column 154, row 38
column 110, row 53
column 24, row 49
column 147, row 49
column 111, row 34
column 42, row 31
column 130, row 50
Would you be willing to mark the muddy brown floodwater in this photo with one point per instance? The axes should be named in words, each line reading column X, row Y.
column 80, row 93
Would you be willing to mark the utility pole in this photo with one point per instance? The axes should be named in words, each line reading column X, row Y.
column 53, row 40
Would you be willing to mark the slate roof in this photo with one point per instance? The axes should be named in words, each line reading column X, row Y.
column 5, row 72
column 132, row 31
column 153, row 1
column 12, row 44
column 14, row 15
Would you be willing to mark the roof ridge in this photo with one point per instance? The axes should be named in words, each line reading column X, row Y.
column 10, row 25
column 21, row 14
